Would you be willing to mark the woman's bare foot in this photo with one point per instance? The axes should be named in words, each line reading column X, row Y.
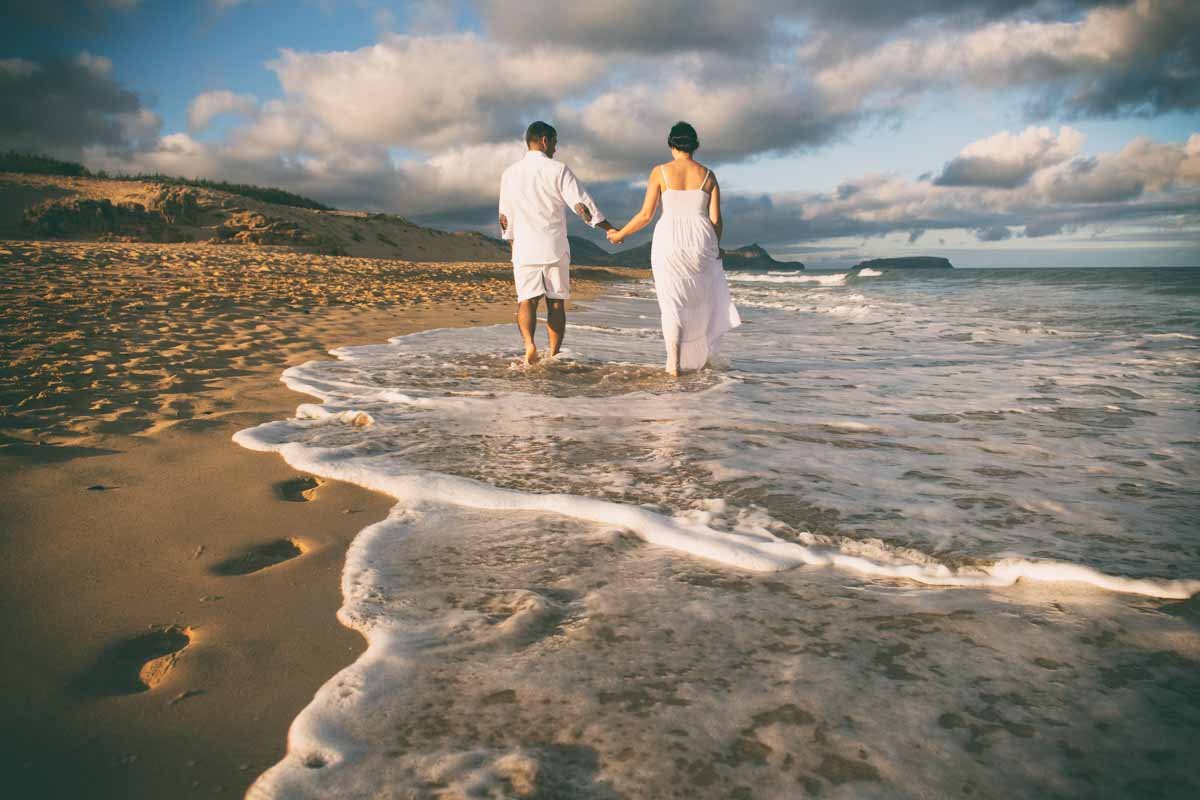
column 673, row 362
column 531, row 355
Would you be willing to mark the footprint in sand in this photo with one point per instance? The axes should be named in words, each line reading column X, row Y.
column 138, row 664
column 260, row 557
column 300, row 489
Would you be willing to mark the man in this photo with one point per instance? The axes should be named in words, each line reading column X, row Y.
column 533, row 195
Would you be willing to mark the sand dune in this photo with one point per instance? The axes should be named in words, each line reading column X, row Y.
column 93, row 209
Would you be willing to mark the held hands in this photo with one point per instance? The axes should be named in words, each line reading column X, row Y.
column 614, row 236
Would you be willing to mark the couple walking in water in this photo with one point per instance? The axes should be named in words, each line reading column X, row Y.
column 689, row 279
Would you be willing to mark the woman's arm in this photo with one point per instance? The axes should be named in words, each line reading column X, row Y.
column 643, row 217
column 714, row 208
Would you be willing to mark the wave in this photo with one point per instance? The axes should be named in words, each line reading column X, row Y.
column 867, row 272
column 760, row 551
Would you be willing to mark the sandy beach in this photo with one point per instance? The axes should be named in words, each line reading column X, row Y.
column 131, row 521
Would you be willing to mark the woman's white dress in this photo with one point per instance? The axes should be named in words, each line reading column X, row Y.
column 689, row 278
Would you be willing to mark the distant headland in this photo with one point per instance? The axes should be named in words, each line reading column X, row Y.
column 907, row 262
column 752, row 257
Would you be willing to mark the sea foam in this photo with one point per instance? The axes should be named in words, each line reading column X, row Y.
column 600, row 581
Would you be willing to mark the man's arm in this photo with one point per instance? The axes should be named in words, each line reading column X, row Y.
column 577, row 198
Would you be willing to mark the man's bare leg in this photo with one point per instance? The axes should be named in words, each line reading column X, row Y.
column 527, row 324
column 556, row 323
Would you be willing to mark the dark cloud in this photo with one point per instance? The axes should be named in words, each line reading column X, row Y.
column 657, row 26
column 652, row 26
column 62, row 106
column 1160, row 73
column 994, row 233
column 87, row 16
column 889, row 14
column 981, row 171
column 1045, row 227
column 1115, row 59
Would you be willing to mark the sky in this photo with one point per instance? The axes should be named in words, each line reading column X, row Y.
column 998, row 133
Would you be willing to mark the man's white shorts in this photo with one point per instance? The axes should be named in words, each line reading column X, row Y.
column 552, row 280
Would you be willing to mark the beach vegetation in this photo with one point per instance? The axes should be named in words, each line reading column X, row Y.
column 36, row 164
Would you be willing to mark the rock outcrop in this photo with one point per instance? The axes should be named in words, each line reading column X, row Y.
column 249, row 227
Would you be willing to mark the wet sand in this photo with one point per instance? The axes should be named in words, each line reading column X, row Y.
column 168, row 597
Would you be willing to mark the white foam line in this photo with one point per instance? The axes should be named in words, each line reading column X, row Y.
column 759, row 554
column 296, row 379
column 824, row 280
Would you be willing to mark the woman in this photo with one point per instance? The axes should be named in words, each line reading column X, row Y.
column 689, row 278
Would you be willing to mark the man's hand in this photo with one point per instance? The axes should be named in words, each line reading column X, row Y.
column 614, row 236
column 584, row 213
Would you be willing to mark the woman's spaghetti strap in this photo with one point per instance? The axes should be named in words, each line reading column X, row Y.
column 663, row 169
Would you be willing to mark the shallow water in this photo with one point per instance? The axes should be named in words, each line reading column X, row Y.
column 789, row 576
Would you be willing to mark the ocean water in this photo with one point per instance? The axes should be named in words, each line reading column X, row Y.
column 918, row 534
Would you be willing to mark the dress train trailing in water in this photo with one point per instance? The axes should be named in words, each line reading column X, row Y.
column 689, row 278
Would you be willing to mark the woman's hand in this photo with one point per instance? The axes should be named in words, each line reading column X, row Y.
column 615, row 237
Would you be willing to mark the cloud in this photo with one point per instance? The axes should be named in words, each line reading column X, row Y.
column 1007, row 161
column 16, row 68
column 207, row 106
column 625, row 130
column 62, row 15
column 647, row 27
column 747, row 27
column 62, row 106
column 1146, row 184
column 1139, row 58
column 993, row 233
column 1040, row 228
column 431, row 91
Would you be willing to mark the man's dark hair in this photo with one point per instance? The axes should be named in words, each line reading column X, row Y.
column 537, row 130
column 683, row 137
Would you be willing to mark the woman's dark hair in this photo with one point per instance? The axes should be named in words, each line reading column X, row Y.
column 683, row 137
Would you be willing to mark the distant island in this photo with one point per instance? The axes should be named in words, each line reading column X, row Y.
column 750, row 257
column 908, row 262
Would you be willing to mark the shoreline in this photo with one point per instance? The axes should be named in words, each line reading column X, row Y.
column 114, row 533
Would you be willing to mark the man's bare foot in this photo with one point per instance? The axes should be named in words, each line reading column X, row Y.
column 673, row 368
column 531, row 355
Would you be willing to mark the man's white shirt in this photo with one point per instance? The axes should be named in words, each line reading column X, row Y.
column 534, row 195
